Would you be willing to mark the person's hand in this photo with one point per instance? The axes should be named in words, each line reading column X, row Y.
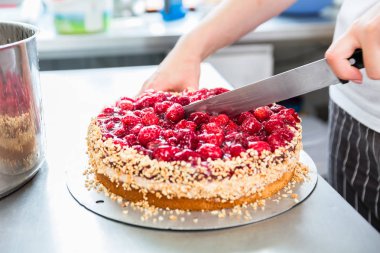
column 365, row 34
column 177, row 72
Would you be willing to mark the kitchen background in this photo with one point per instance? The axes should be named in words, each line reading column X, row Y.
column 112, row 33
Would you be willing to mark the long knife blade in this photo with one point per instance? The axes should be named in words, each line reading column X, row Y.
column 295, row 82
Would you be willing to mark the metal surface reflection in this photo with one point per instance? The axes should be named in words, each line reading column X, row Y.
column 22, row 135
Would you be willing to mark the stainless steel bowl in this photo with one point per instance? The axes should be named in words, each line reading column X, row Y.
column 22, row 136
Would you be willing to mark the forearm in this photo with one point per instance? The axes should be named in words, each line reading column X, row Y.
column 231, row 20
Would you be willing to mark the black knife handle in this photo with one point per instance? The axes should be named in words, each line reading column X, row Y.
column 356, row 60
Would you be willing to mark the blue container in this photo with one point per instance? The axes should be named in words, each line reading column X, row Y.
column 307, row 7
column 173, row 10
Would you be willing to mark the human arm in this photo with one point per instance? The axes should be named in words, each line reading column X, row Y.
column 227, row 23
column 364, row 33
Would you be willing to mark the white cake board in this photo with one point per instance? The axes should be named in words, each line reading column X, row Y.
column 104, row 206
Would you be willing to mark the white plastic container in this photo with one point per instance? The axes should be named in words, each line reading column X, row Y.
column 81, row 16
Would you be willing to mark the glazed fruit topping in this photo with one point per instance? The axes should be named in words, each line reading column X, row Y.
column 148, row 133
column 155, row 124
column 175, row 113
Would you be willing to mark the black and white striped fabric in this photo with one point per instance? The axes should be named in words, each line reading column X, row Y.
column 354, row 163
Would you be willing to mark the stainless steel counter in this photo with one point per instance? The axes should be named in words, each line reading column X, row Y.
column 149, row 34
column 43, row 217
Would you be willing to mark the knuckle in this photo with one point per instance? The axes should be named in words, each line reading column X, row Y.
column 330, row 55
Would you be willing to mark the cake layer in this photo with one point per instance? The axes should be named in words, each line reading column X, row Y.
column 160, row 200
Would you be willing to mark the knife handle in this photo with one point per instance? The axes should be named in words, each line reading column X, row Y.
column 356, row 60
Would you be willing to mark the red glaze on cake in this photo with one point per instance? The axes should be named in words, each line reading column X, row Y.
column 148, row 149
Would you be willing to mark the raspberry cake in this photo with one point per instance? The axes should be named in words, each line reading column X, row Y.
column 147, row 149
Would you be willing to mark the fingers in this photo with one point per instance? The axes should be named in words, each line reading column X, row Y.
column 163, row 82
column 337, row 56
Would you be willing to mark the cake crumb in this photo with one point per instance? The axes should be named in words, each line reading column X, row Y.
column 173, row 217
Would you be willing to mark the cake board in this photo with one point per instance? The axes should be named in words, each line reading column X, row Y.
column 104, row 206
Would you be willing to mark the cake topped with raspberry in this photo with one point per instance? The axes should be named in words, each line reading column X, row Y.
column 148, row 148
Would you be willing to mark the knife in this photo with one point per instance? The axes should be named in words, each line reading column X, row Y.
column 295, row 82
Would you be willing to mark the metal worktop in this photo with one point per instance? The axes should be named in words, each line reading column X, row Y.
column 43, row 217
column 148, row 34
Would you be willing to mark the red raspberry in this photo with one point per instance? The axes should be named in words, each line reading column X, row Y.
column 108, row 110
column 172, row 141
column 289, row 116
column 243, row 116
column 262, row 113
column 147, row 110
column 130, row 120
column 136, row 129
column 186, row 155
column 107, row 136
column 237, row 138
column 230, row 127
column 202, row 91
column 276, row 107
column 186, row 124
column 160, row 96
column 101, row 116
column 110, row 125
column 236, row 150
column 165, row 153
column 195, row 98
column 162, row 107
column 150, row 118
column 138, row 113
column 116, row 119
column 259, row 146
column 216, row 139
column 273, row 124
column 183, row 100
column 187, row 138
column 145, row 101
column 125, row 105
column 280, row 138
column 251, row 125
column 199, row 118
column 148, row 133
column 212, row 128
column 221, row 119
column 232, row 136
column 119, row 132
column 207, row 150
column 167, row 133
column 166, row 124
column 219, row 90
column 175, row 113
column 131, row 139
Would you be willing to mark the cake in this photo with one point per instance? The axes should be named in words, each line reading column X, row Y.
column 147, row 149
